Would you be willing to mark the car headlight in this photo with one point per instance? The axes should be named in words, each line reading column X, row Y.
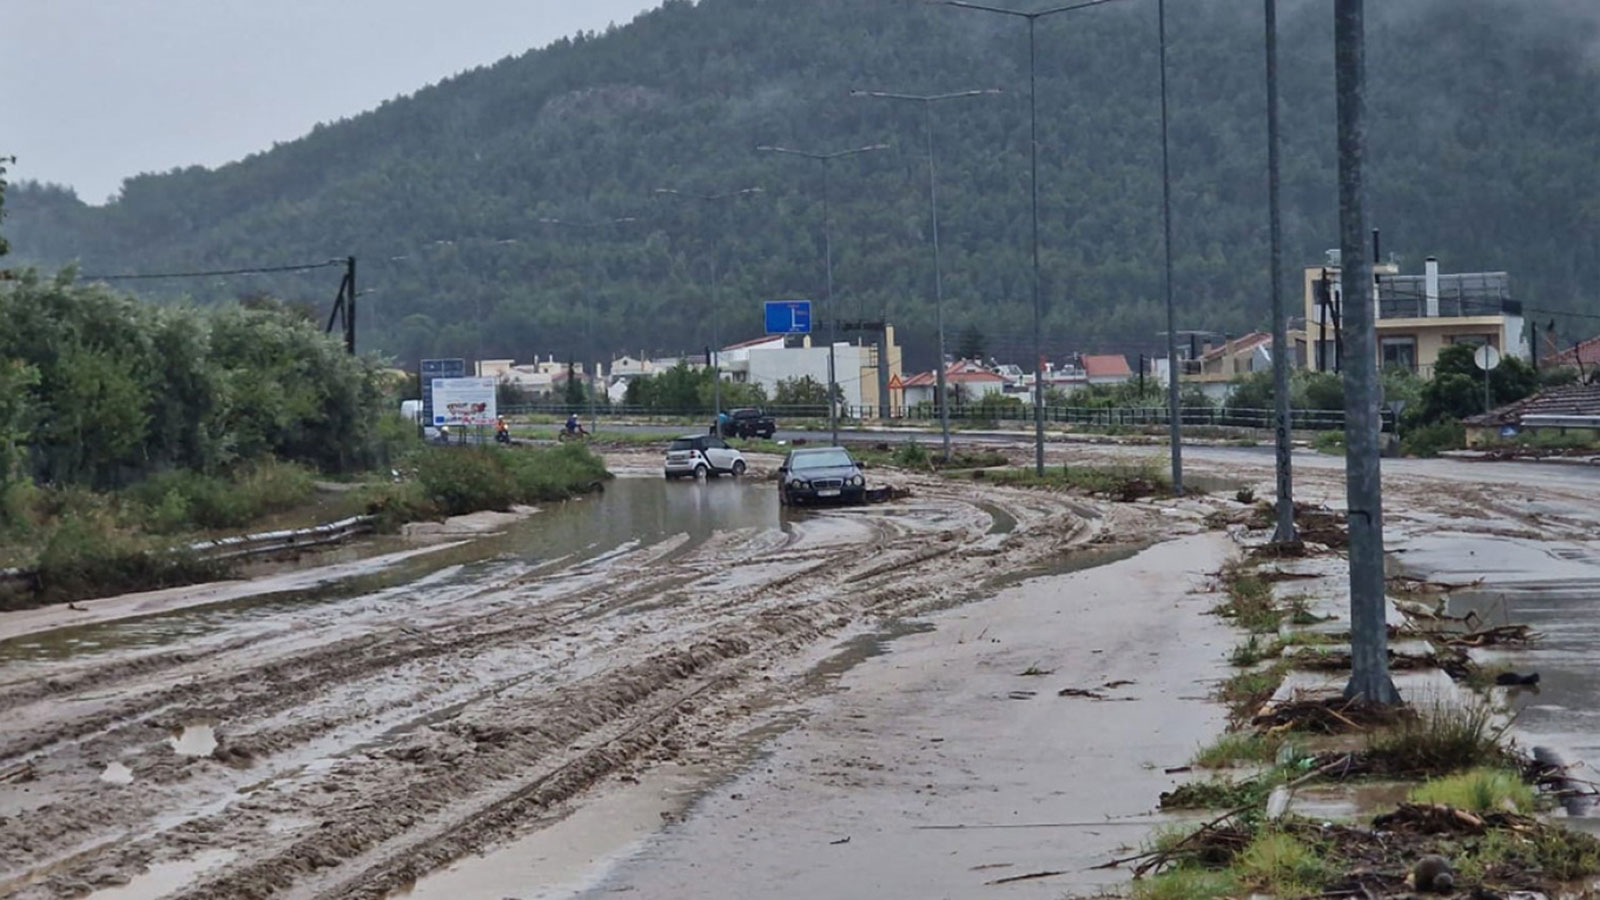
column 797, row 483
column 858, row 481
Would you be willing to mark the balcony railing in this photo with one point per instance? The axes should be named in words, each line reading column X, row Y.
column 1460, row 296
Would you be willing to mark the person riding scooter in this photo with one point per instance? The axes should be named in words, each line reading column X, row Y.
column 502, row 431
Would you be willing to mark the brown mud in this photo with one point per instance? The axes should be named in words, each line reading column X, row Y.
column 356, row 744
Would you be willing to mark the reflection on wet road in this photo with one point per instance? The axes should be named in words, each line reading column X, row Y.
column 633, row 512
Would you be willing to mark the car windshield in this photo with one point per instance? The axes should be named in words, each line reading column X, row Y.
column 682, row 444
column 830, row 459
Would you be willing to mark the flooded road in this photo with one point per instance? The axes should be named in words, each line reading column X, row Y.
column 346, row 739
column 636, row 511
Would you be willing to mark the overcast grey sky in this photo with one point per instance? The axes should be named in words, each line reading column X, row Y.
column 92, row 91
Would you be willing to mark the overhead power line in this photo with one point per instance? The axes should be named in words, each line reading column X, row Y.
column 259, row 270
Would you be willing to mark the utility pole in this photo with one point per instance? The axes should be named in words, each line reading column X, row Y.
column 350, row 322
column 827, row 256
column 927, row 102
column 1033, row 156
column 1280, row 317
column 1174, row 396
column 344, row 305
column 1369, row 638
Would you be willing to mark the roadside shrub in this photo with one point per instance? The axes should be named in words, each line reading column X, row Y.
column 88, row 555
column 461, row 481
column 1329, row 442
column 554, row 474
column 1443, row 739
column 1430, row 440
column 1282, row 865
column 1480, row 790
column 1238, row 747
column 911, row 455
column 184, row 500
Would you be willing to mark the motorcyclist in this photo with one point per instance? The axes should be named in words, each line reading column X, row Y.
column 574, row 427
column 444, row 434
column 502, row 431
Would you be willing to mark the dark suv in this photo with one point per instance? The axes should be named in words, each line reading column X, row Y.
column 825, row 474
column 749, row 423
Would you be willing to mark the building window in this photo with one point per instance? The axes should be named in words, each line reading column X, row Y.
column 1400, row 353
column 1473, row 340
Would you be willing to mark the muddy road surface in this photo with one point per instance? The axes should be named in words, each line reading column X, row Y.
column 345, row 742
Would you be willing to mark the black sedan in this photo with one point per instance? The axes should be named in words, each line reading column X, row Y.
column 826, row 474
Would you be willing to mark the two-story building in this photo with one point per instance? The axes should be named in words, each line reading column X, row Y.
column 1417, row 315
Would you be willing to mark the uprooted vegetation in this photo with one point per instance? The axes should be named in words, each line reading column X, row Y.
column 1253, row 605
column 1473, row 810
column 1124, row 484
column 1313, row 525
column 1292, row 857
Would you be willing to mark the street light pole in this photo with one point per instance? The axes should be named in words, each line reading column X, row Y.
column 927, row 102
column 1033, row 129
column 1174, row 398
column 1369, row 638
column 827, row 253
column 716, row 349
column 1280, row 323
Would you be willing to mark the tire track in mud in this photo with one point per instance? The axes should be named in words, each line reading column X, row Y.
column 493, row 746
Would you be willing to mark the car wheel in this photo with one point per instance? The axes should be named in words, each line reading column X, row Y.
column 701, row 471
column 738, row 468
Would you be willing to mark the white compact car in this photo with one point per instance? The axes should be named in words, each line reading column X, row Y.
column 702, row 456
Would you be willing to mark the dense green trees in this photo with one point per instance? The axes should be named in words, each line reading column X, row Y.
column 1484, row 151
column 687, row 389
column 98, row 389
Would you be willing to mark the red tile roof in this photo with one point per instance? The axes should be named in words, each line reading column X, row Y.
column 1568, row 400
column 1585, row 354
column 925, row 379
column 1106, row 366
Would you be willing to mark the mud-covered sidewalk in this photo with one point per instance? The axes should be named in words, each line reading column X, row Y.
column 940, row 766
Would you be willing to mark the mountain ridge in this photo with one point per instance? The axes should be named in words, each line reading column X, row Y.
column 1483, row 153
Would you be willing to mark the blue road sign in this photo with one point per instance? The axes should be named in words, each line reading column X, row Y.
column 437, row 368
column 789, row 317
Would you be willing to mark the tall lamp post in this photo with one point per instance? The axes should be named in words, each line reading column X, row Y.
column 1033, row 127
column 927, row 102
column 1280, row 323
column 716, row 342
column 827, row 242
column 1369, row 636
column 1174, row 399
column 590, row 226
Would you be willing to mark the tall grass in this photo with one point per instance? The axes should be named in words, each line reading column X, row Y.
column 1480, row 790
column 182, row 500
column 1441, row 740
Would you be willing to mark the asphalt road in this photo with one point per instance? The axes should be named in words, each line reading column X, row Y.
column 1511, row 473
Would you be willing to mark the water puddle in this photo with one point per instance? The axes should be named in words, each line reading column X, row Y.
column 117, row 773
column 1003, row 522
column 162, row 879
column 197, row 739
column 632, row 513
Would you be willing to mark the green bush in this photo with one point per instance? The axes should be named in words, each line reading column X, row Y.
column 466, row 480
column 89, row 555
column 459, row 481
column 911, row 455
column 554, row 474
column 1431, row 440
column 184, row 500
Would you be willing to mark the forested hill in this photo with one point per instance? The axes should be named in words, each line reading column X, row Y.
column 1485, row 152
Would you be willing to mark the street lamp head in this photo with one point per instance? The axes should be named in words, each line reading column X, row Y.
column 925, row 98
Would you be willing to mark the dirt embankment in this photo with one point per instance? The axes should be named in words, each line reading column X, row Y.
column 366, row 741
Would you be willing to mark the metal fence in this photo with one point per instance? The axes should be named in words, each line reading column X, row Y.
column 998, row 415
